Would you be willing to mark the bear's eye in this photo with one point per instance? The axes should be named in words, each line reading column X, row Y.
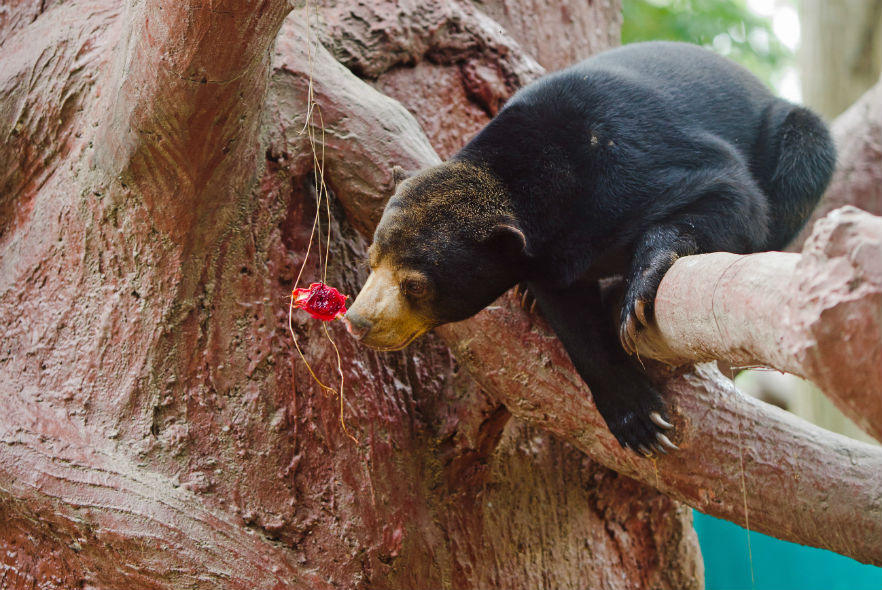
column 414, row 287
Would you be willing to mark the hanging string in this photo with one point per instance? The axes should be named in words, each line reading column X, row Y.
column 313, row 111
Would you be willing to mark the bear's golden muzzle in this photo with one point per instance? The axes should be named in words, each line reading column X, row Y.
column 381, row 317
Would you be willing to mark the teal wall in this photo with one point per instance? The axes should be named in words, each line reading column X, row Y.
column 777, row 565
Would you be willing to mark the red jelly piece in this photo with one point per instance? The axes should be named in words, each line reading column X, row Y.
column 320, row 301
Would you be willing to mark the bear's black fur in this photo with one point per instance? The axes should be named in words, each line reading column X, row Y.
column 615, row 166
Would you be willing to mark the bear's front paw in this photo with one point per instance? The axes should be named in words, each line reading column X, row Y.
column 636, row 312
column 641, row 287
column 638, row 422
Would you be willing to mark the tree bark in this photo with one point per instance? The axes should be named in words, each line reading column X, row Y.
column 857, row 179
column 158, row 428
column 159, row 431
column 556, row 33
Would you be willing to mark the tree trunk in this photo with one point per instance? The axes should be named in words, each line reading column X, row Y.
column 159, row 430
column 840, row 52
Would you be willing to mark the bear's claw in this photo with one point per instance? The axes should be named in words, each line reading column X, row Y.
column 661, row 422
column 634, row 321
column 640, row 311
column 662, row 444
column 525, row 298
column 640, row 427
column 666, row 442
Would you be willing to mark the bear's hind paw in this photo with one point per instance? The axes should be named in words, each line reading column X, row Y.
column 644, row 433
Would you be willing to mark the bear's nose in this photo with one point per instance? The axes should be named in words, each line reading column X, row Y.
column 356, row 325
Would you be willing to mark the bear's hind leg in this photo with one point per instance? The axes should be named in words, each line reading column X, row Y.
column 630, row 405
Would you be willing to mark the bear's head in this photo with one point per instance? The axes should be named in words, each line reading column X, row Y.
column 446, row 246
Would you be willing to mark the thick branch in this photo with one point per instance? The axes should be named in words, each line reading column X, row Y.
column 817, row 315
column 536, row 25
column 789, row 466
column 372, row 39
column 358, row 156
column 47, row 78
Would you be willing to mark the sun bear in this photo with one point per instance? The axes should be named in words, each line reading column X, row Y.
column 615, row 166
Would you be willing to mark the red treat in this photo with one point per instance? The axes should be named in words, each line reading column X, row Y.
column 320, row 301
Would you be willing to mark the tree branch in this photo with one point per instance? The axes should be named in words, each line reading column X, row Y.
column 789, row 466
column 535, row 24
column 358, row 156
column 47, row 79
column 817, row 315
column 735, row 450
column 371, row 40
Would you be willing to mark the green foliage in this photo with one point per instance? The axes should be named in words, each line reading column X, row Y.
column 726, row 26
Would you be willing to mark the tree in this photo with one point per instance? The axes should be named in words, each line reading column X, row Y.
column 160, row 431
column 841, row 58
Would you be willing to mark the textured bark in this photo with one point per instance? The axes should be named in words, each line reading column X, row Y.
column 450, row 64
column 790, row 467
column 17, row 14
column 857, row 179
column 558, row 33
column 817, row 315
column 159, row 430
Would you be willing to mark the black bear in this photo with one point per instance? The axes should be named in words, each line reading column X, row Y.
column 615, row 166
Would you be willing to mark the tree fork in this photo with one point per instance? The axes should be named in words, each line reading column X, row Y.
column 180, row 108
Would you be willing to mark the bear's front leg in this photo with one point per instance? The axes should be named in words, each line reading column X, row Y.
column 730, row 219
column 631, row 406
column 654, row 254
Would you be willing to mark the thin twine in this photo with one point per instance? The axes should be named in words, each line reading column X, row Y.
column 318, row 161
column 744, row 496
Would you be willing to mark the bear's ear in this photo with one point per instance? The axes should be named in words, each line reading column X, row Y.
column 508, row 238
column 399, row 175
